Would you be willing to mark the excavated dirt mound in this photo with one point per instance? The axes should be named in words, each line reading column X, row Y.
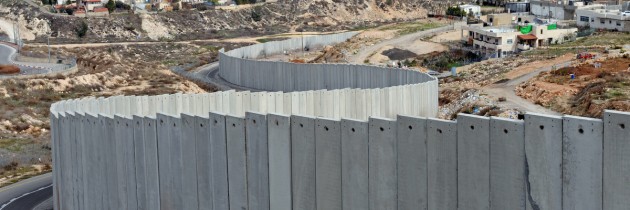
column 398, row 54
column 9, row 69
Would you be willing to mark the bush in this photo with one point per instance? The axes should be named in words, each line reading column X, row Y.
column 11, row 166
column 255, row 16
column 455, row 11
column 82, row 29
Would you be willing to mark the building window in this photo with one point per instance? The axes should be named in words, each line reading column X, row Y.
column 610, row 22
column 618, row 23
column 510, row 41
column 602, row 21
column 584, row 18
column 541, row 31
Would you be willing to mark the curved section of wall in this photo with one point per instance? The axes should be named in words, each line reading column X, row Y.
column 375, row 91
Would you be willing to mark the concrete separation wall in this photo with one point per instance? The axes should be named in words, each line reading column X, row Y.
column 120, row 154
column 332, row 91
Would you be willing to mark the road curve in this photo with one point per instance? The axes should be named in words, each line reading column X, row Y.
column 26, row 194
column 507, row 90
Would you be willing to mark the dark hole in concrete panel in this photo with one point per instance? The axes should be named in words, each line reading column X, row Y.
column 505, row 131
column 352, row 130
column 472, row 127
column 161, row 121
column 254, row 121
column 325, row 127
column 215, row 121
column 277, row 123
column 542, row 127
column 201, row 125
column 301, row 125
column 174, row 124
column 382, row 129
column 622, row 126
column 233, row 125
column 439, row 130
column 581, row 131
column 410, row 127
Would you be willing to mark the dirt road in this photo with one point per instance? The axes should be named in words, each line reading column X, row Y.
column 506, row 89
column 366, row 52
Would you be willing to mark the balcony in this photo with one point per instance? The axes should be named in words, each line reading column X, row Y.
column 523, row 47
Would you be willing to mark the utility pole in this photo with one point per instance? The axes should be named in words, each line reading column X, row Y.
column 48, row 48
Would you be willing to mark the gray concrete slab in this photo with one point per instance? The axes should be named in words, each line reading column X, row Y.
column 151, row 157
column 382, row 164
column 354, row 164
column 164, row 161
column 582, row 163
column 139, row 159
column 473, row 162
column 219, row 157
column 441, row 164
column 257, row 161
column 189, row 161
column 328, row 164
column 303, row 162
column 279, row 137
column 543, row 150
column 412, row 168
column 616, row 160
column 236, row 162
column 507, row 164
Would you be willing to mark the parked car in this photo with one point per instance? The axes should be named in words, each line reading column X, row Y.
column 433, row 73
column 625, row 13
column 584, row 55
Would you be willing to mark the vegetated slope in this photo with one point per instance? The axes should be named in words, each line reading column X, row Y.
column 269, row 18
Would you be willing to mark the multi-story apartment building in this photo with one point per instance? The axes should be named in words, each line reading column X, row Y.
column 501, row 41
column 612, row 17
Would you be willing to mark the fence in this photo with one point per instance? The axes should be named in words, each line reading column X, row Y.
column 128, row 159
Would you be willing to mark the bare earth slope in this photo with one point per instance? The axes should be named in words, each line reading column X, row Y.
column 280, row 17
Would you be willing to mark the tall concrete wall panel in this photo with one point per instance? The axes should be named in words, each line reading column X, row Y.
column 328, row 164
column 507, row 164
column 543, row 149
column 382, row 164
column 473, row 162
column 412, row 162
column 169, row 160
column 441, row 164
column 303, row 162
column 354, row 162
column 616, row 166
column 582, row 163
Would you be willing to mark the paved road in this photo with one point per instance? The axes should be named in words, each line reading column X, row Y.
column 27, row 68
column 507, row 90
column 27, row 194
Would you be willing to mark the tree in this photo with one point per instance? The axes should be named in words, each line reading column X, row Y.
column 82, row 29
column 455, row 11
column 111, row 5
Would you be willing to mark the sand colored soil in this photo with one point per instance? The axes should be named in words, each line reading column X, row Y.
column 9, row 69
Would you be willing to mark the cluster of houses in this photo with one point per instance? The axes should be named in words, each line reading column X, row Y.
column 92, row 8
column 531, row 24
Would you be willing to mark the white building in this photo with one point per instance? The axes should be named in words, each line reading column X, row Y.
column 604, row 17
column 474, row 10
column 562, row 10
column 507, row 40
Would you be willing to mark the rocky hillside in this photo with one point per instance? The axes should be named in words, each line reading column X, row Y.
column 270, row 18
